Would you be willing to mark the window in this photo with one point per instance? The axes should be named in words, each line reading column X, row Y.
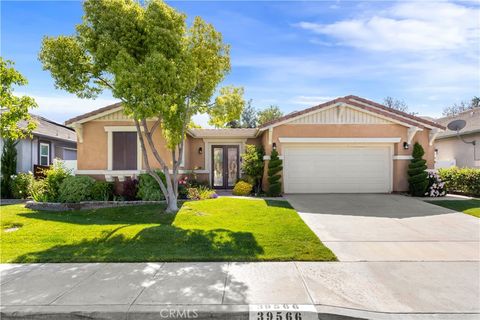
column 44, row 153
column 124, row 150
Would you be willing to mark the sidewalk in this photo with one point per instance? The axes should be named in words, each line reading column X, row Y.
column 338, row 290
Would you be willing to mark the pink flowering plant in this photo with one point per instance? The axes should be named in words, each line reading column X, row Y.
column 436, row 187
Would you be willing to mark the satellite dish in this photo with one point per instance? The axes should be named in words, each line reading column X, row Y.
column 457, row 125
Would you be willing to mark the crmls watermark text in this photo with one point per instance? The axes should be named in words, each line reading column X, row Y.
column 178, row 314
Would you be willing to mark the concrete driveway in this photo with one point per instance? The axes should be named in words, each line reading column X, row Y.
column 375, row 227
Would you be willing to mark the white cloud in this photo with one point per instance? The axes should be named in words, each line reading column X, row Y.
column 61, row 108
column 409, row 26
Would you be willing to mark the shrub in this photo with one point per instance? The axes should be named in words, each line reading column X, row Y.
column 242, row 188
column 252, row 164
column 76, row 189
column 8, row 167
column 274, row 168
column 148, row 188
column 21, row 185
column 436, row 187
column 102, row 191
column 130, row 189
column 200, row 193
column 461, row 180
column 418, row 177
column 54, row 177
column 37, row 190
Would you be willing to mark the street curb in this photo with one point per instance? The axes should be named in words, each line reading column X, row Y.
column 199, row 312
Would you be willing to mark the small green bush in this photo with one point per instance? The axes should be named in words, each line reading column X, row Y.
column 54, row 177
column 76, row 189
column 461, row 180
column 242, row 188
column 102, row 191
column 37, row 190
column 148, row 188
column 21, row 185
column 200, row 193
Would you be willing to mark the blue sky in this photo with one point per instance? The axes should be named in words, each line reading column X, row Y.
column 292, row 54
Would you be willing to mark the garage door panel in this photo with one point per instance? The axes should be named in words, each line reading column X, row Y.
column 326, row 169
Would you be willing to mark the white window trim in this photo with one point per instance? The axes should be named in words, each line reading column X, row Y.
column 339, row 140
column 109, row 130
column 40, row 154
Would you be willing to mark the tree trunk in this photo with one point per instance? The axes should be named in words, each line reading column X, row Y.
column 172, row 205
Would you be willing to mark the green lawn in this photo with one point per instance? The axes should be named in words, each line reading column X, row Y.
column 471, row 207
column 224, row 229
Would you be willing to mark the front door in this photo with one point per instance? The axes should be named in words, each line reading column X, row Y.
column 225, row 163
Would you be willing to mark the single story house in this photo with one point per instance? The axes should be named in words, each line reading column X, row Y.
column 451, row 150
column 347, row 145
column 50, row 141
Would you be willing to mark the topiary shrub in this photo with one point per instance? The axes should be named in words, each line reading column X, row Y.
column 274, row 168
column 417, row 176
column 76, row 189
column 148, row 188
column 21, row 185
column 242, row 188
column 102, row 191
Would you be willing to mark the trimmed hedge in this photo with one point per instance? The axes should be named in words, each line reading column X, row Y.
column 461, row 180
column 417, row 176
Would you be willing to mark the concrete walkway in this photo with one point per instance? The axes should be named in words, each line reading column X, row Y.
column 374, row 290
column 374, row 227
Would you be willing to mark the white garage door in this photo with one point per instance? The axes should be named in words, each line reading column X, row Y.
column 337, row 169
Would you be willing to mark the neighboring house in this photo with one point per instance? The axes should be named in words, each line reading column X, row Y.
column 345, row 145
column 451, row 150
column 50, row 141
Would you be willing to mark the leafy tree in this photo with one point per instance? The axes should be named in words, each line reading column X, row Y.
column 249, row 116
column 461, row 107
column 8, row 166
column 274, row 168
column 269, row 114
column 159, row 68
column 418, row 177
column 252, row 164
column 227, row 108
column 396, row 104
column 14, row 109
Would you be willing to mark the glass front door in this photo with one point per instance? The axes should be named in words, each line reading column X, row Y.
column 225, row 166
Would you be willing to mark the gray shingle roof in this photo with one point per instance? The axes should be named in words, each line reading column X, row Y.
column 471, row 117
column 51, row 129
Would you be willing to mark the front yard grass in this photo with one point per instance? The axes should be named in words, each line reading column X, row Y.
column 471, row 207
column 224, row 229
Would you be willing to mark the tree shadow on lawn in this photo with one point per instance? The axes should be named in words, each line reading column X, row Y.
column 106, row 216
column 159, row 243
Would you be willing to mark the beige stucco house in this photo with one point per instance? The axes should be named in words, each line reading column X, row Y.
column 346, row 145
column 451, row 148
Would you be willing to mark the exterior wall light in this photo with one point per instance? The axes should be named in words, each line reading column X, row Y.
column 406, row 145
column 274, row 146
column 200, row 150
